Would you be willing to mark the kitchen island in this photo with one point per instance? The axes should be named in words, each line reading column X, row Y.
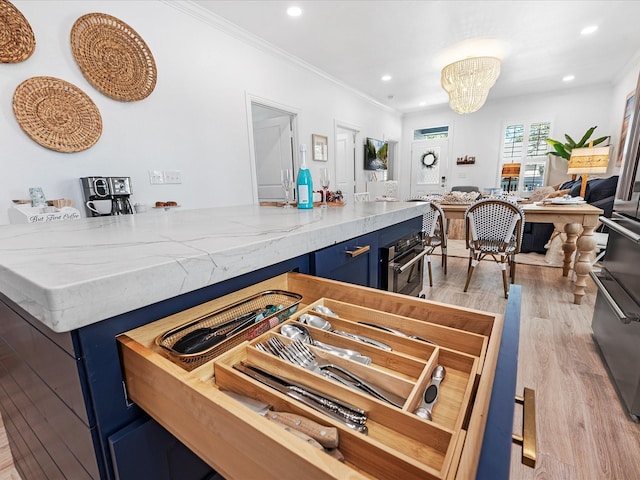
column 69, row 288
column 72, row 274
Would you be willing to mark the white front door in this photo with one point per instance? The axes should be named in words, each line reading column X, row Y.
column 273, row 150
column 429, row 166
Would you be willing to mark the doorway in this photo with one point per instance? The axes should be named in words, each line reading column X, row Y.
column 273, row 146
column 429, row 166
column 346, row 161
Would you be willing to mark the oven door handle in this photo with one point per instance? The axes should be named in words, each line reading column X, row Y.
column 625, row 232
column 623, row 316
column 401, row 268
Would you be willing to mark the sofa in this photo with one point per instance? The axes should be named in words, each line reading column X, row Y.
column 600, row 193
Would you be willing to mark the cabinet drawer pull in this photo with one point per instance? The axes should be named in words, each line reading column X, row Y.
column 358, row 251
column 528, row 438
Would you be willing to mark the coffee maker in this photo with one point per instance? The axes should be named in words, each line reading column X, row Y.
column 120, row 192
column 117, row 190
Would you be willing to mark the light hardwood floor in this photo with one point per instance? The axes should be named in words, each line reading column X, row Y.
column 583, row 433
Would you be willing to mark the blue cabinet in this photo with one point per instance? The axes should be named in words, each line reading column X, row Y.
column 354, row 261
column 357, row 260
column 82, row 425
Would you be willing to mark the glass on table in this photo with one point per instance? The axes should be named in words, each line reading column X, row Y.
column 325, row 179
column 286, row 177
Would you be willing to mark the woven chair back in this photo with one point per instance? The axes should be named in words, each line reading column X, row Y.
column 494, row 221
column 433, row 223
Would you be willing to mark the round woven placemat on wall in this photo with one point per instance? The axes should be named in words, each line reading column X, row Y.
column 17, row 41
column 113, row 57
column 57, row 114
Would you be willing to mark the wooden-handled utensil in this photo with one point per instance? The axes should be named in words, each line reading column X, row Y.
column 327, row 437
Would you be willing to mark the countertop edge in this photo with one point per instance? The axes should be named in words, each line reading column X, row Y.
column 74, row 305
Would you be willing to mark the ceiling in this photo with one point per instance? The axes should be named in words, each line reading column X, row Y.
column 357, row 42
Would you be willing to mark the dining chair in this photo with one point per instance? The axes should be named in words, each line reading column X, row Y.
column 435, row 236
column 493, row 227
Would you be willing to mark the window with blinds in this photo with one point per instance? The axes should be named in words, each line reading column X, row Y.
column 524, row 156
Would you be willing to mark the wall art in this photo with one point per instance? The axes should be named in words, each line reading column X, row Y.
column 17, row 41
column 57, row 114
column 128, row 72
column 320, row 148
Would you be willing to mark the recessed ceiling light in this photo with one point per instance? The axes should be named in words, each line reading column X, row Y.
column 386, row 78
column 568, row 78
column 422, row 104
column 588, row 30
column 294, row 11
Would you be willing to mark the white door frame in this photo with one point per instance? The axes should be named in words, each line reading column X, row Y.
column 285, row 109
column 341, row 124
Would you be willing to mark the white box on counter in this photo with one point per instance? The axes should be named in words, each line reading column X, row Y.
column 25, row 213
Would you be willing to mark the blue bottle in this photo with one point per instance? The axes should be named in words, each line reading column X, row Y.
column 304, row 184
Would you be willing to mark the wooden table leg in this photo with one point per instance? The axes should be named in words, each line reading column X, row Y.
column 586, row 247
column 569, row 246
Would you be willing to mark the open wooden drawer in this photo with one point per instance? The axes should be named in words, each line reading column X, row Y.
column 240, row 443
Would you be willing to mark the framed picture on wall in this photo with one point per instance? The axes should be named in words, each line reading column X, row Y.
column 320, row 147
column 375, row 154
column 628, row 110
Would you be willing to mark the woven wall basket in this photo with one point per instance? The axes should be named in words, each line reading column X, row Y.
column 57, row 114
column 17, row 41
column 113, row 57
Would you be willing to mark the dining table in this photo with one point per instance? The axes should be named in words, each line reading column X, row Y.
column 579, row 220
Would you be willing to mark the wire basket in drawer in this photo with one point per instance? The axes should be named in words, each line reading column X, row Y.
column 220, row 321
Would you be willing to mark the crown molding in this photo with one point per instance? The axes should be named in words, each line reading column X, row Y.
column 191, row 8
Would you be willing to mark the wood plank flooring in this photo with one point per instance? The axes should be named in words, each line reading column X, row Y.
column 583, row 433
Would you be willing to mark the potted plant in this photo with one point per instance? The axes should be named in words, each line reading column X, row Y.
column 557, row 170
column 564, row 149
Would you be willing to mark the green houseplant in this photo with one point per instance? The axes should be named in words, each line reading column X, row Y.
column 564, row 149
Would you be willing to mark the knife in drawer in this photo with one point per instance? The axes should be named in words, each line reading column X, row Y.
column 349, row 415
column 398, row 332
column 325, row 436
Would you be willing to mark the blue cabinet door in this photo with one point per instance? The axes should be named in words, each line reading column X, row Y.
column 354, row 261
column 144, row 449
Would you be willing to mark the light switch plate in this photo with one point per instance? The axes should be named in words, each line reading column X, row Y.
column 156, row 177
column 172, row 176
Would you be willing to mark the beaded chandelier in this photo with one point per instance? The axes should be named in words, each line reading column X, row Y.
column 468, row 82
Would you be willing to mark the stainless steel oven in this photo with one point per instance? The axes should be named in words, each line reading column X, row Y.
column 402, row 268
column 616, row 317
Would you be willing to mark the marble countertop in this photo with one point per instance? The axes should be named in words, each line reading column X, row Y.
column 69, row 274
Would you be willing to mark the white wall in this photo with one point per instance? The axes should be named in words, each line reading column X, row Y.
column 479, row 134
column 195, row 121
column 623, row 88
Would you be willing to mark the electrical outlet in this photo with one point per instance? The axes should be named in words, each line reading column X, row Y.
column 156, row 177
column 172, row 176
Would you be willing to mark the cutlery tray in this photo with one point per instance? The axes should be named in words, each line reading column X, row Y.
column 240, row 443
column 399, row 444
